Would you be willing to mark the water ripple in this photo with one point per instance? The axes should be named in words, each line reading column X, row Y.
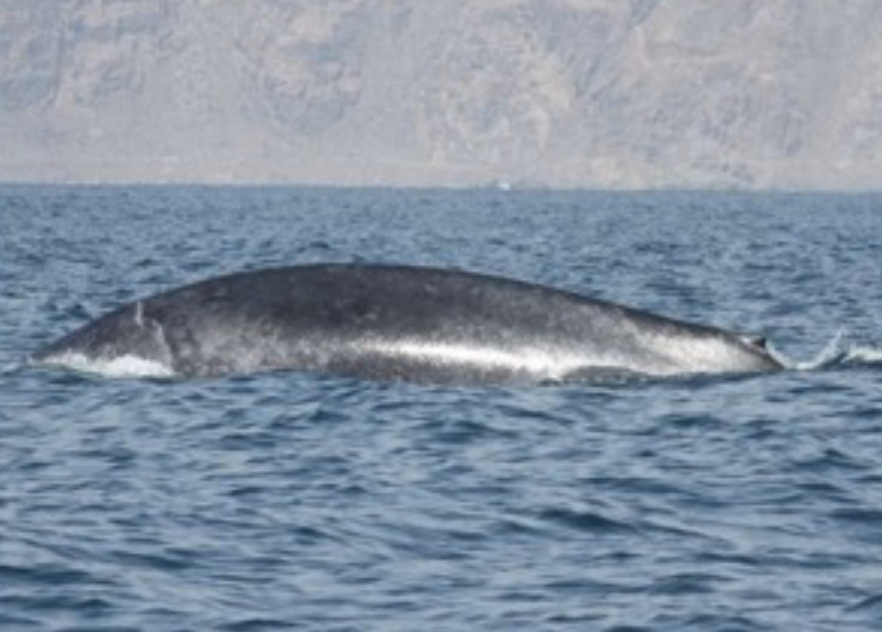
column 292, row 501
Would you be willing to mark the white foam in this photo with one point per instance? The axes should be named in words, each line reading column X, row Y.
column 831, row 353
column 864, row 355
column 122, row 366
column 837, row 351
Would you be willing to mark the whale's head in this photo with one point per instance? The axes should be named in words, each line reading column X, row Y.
column 125, row 342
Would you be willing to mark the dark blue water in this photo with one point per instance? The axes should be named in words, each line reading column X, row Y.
column 291, row 501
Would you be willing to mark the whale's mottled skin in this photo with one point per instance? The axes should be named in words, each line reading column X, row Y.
column 394, row 323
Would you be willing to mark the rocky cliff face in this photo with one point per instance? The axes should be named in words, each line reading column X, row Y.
column 595, row 93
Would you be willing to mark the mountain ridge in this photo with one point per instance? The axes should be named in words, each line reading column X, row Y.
column 558, row 93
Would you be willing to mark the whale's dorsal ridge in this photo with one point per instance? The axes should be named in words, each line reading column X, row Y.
column 383, row 321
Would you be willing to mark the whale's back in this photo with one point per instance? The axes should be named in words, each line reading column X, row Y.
column 398, row 322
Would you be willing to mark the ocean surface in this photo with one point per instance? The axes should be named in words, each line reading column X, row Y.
column 291, row 501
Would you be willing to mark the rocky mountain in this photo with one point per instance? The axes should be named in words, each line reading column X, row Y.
column 590, row 93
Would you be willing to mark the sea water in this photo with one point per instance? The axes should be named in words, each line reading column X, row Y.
column 297, row 501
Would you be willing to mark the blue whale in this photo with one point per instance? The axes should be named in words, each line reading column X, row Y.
column 400, row 323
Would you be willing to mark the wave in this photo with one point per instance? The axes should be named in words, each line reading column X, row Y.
column 127, row 366
column 837, row 352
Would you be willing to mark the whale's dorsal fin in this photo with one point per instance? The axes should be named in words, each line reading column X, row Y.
column 758, row 341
